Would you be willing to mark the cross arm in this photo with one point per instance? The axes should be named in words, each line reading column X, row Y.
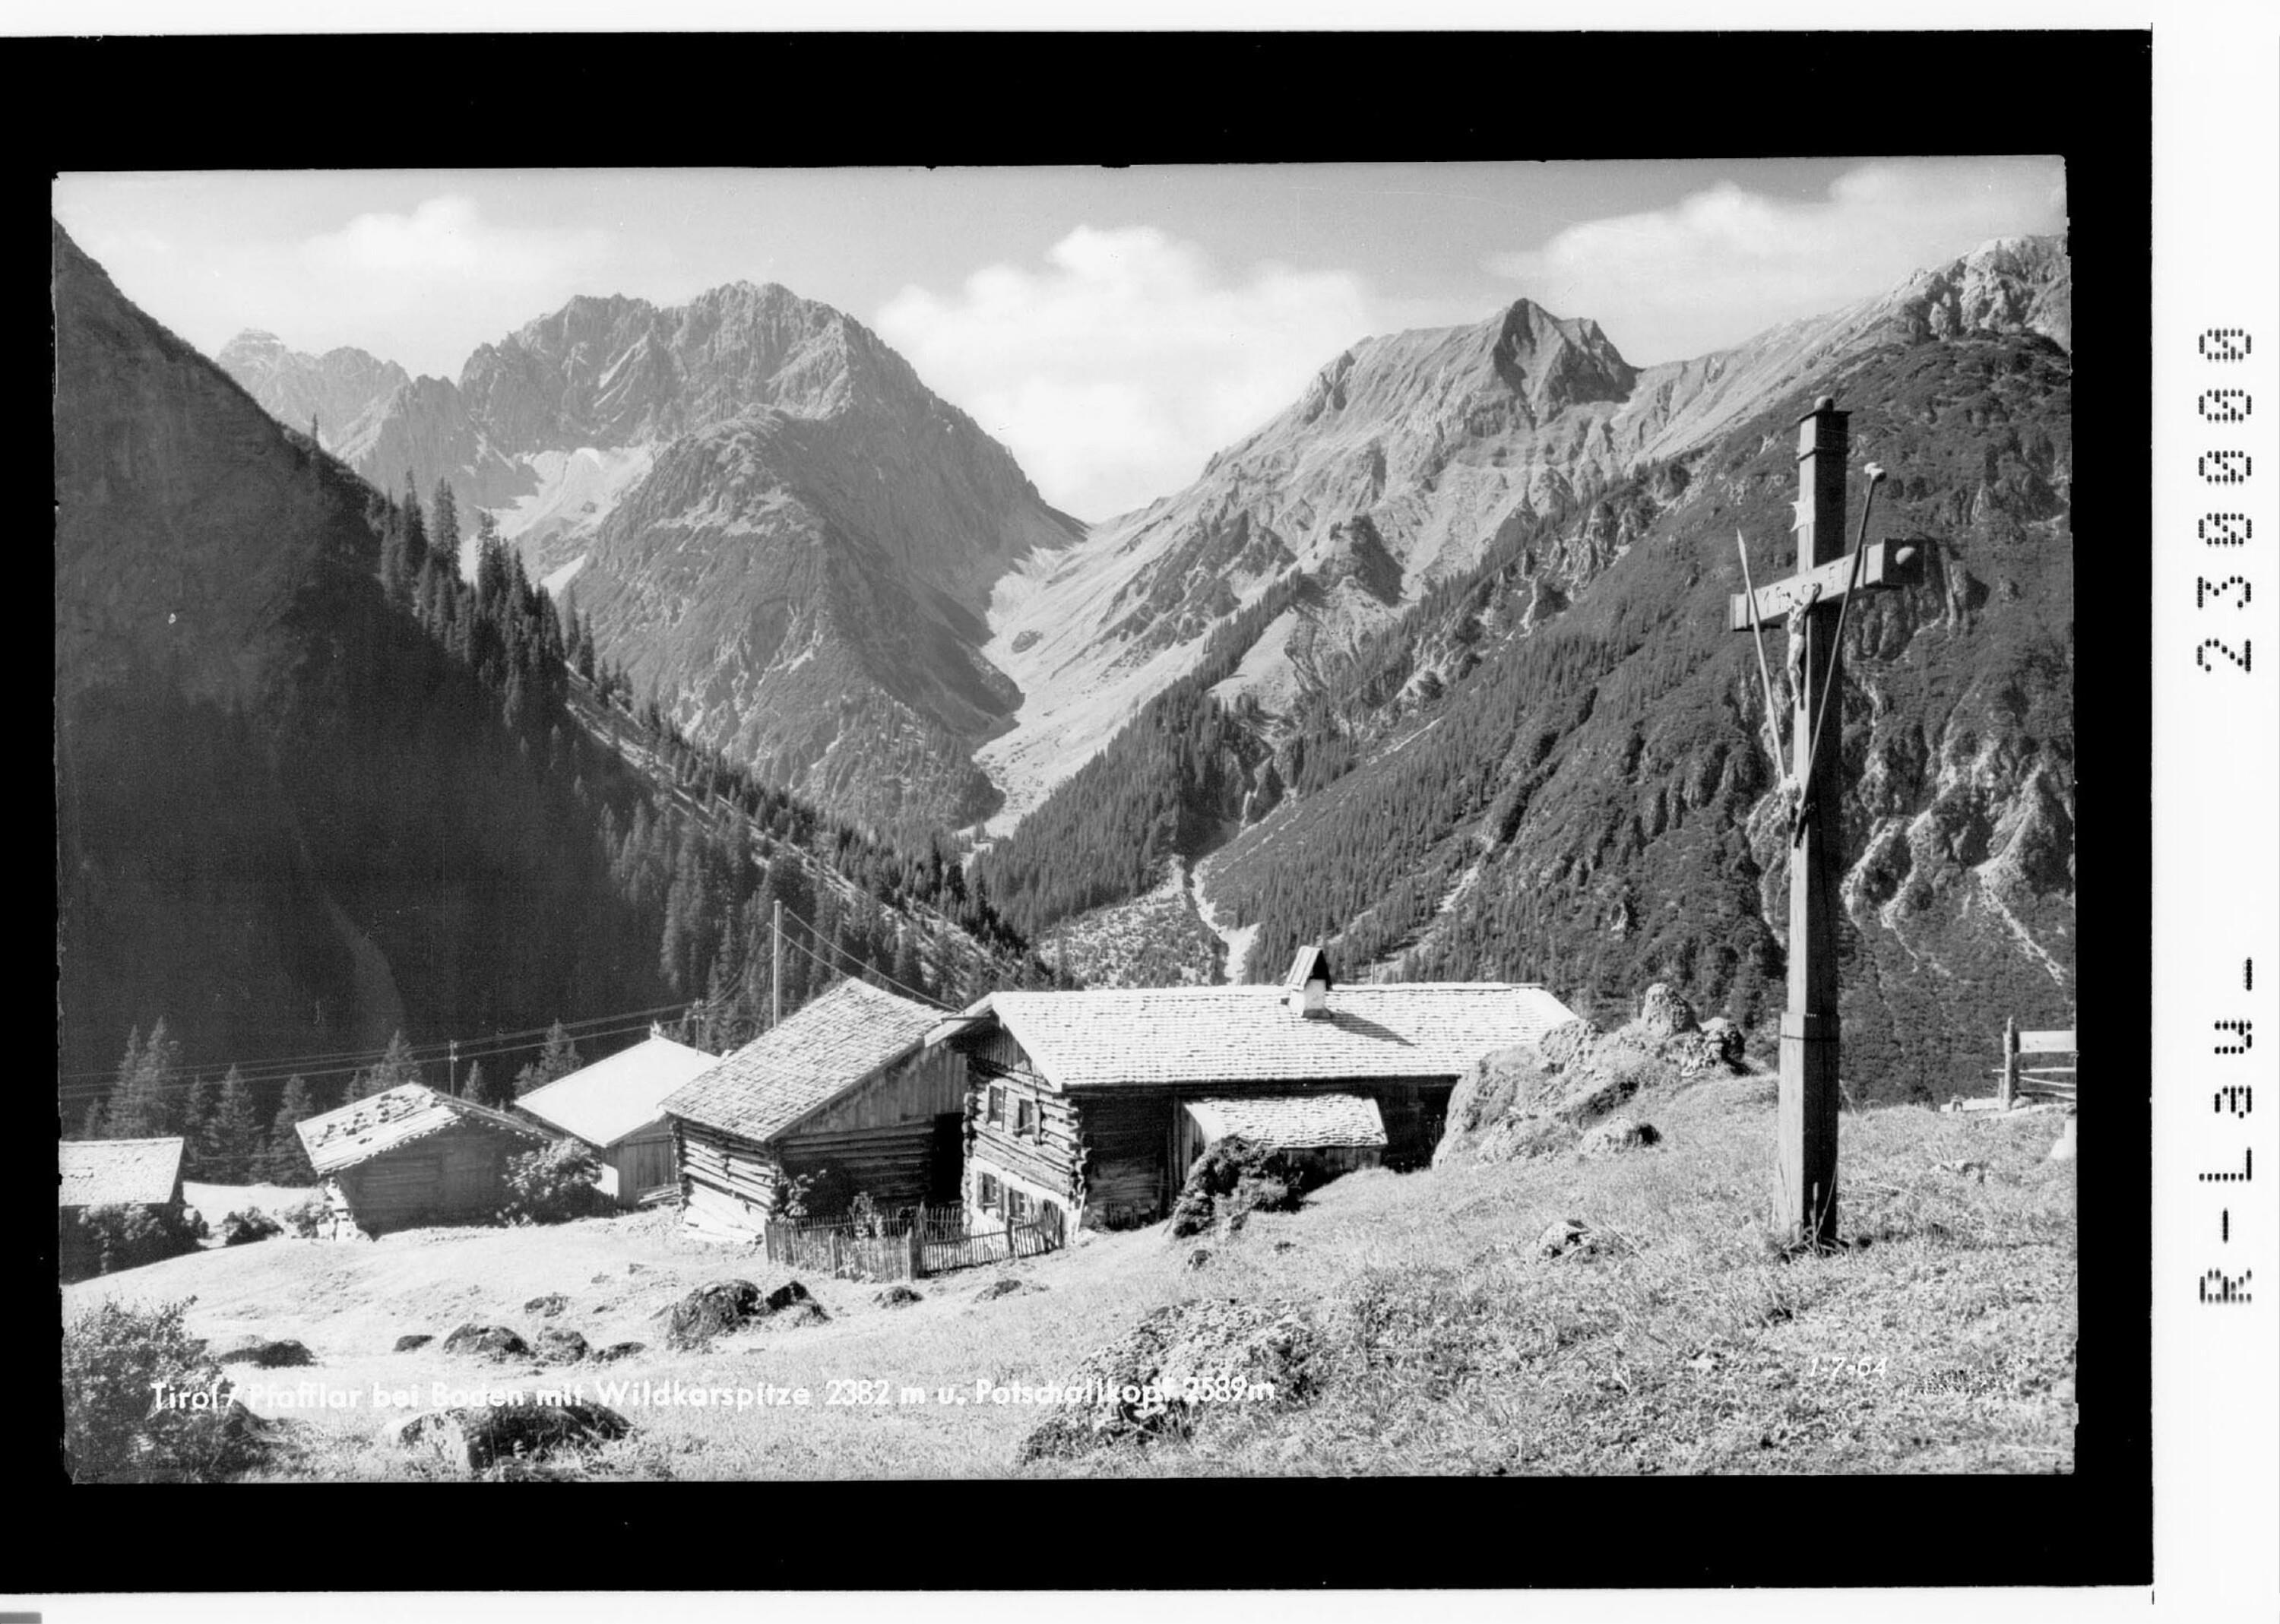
column 1885, row 564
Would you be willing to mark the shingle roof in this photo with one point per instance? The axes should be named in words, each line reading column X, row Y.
column 1140, row 1036
column 95, row 1172
column 603, row 1103
column 1292, row 1121
column 364, row 1129
column 803, row 1065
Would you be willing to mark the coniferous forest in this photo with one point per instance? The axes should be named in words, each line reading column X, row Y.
column 394, row 799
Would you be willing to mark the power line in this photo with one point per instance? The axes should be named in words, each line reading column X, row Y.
column 262, row 1070
column 281, row 1070
column 923, row 997
column 84, row 1086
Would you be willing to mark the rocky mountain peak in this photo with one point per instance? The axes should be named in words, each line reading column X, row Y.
column 2006, row 285
column 1555, row 362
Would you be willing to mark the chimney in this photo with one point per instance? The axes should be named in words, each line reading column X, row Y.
column 1306, row 989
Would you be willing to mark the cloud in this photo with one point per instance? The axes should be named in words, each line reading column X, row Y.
column 1117, row 368
column 396, row 272
column 1726, row 263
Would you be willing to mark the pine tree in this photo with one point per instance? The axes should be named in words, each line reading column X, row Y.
column 415, row 528
column 559, row 1057
column 230, row 1140
column 284, row 1160
column 444, row 524
column 198, row 1103
column 92, row 1126
column 909, row 969
column 395, row 1068
column 144, row 1105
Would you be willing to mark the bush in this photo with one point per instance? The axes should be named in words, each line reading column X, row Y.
column 827, row 1192
column 1235, row 1176
column 553, row 1185
column 252, row 1224
column 305, row 1219
column 128, row 1237
column 115, row 1359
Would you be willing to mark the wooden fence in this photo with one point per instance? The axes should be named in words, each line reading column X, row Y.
column 907, row 1244
column 2051, row 1081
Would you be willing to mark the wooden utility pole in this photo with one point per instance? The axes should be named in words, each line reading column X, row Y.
column 775, row 964
column 1811, row 605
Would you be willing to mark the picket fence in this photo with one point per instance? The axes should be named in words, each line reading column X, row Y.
column 910, row 1243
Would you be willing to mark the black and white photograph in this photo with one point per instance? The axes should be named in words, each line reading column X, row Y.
column 1320, row 820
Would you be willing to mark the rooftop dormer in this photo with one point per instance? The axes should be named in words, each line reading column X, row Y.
column 1306, row 989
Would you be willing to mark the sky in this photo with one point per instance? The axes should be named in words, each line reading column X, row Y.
column 1112, row 328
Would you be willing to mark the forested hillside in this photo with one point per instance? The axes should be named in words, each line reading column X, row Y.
column 1559, row 773
column 317, row 791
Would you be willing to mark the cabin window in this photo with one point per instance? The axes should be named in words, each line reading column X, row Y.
column 1017, row 1203
column 985, row 1191
column 997, row 1107
column 1025, row 1118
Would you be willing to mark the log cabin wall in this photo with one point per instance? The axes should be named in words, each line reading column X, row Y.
column 1046, row 1162
column 728, row 1185
column 455, row 1174
column 883, row 1133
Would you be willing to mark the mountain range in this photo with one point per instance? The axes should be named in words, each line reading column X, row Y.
column 1503, row 533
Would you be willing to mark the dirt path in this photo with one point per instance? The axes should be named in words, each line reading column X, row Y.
column 1237, row 937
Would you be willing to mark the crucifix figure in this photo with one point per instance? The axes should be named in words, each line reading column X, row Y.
column 1811, row 605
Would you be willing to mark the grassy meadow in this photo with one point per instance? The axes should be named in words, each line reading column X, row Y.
column 1681, row 1339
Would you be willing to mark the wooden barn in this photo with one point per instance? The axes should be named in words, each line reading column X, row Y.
column 616, row 1109
column 410, row 1156
column 97, row 1172
column 1097, row 1102
column 847, row 1082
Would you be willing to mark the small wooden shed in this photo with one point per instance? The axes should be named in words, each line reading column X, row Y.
column 616, row 1109
column 847, row 1082
column 1325, row 1133
column 411, row 1155
column 97, row 1172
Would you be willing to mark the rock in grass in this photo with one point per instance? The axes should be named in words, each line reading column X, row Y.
column 725, row 1305
column 560, row 1347
column 618, row 1350
column 712, row 1309
column 553, row 1302
column 897, row 1297
column 1616, row 1135
column 1005, row 1286
column 495, row 1341
column 1664, row 1013
column 1180, row 1365
column 409, row 1344
column 477, row 1438
column 1200, row 1258
column 1564, row 1236
column 264, row 1353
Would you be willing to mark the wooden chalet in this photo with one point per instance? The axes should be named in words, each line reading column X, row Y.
column 410, row 1156
column 1097, row 1102
column 848, row 1082
column 616, row 1109
column 99, row 1172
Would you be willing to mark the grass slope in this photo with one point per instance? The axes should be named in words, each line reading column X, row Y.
column 1449, row 1346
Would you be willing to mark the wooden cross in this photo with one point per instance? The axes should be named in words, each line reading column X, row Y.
column 1809, row 603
